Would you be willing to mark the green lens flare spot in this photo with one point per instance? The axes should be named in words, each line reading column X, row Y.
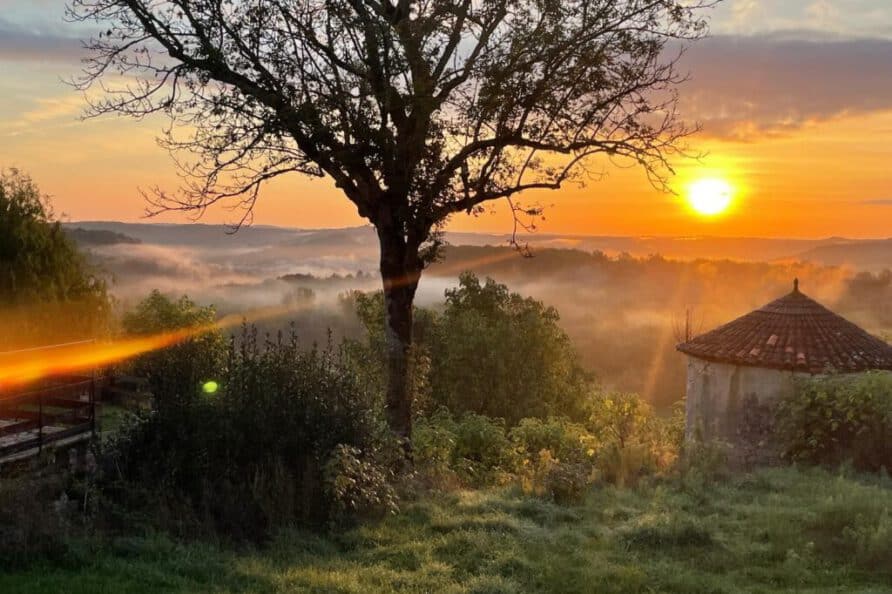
column 210, row 387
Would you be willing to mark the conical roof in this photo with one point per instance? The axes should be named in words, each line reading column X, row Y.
column 794, row 333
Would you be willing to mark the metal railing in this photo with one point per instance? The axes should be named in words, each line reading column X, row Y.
column 61, row 408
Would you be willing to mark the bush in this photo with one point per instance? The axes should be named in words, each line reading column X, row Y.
column 472, row 449
column 496, row 353
column 555, row 458
column 569, row 442
column 433, row 446
column 634, row 440
column 490, row 352
column 830, row 420
column 267, row 450
column 482, row 448
column 562, row 482
column 357, row 486
column 164, row 369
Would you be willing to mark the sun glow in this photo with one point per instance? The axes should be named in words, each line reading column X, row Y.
column 710, row 196
column 18, row 368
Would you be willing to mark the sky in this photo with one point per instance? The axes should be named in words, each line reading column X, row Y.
column 794, row 98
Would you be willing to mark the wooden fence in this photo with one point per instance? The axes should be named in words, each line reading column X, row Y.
column 58, row 410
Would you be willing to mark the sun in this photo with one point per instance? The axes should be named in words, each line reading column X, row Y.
column 710, row 196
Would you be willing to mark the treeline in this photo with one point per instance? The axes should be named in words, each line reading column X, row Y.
column 625, row 315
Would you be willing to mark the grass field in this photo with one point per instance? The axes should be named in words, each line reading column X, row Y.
column 777, row 530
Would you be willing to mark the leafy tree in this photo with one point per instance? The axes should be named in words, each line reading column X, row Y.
column 416, row 110
column 179, row 371
column 368, row 355
column 489, row 352
column 43, row 276
column 499, row 354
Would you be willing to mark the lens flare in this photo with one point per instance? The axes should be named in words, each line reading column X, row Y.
column 22, row 367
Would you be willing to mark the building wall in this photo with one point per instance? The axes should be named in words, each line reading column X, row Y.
column 719, row 395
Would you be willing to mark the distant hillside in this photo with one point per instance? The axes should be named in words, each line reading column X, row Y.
column 94, row 237
column 860, row 255
column 192, row 235
column 283, row 242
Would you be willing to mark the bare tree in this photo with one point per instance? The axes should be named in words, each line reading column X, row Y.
column 417, row 110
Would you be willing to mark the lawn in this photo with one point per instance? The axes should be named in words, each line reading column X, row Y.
column 775, row 530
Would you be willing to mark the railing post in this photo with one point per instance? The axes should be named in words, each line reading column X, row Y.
column 40, row 422
column 93, row 403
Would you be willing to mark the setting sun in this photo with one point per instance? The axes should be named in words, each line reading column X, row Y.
column 710, row 197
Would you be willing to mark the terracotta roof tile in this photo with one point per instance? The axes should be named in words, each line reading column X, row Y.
column 794, row 333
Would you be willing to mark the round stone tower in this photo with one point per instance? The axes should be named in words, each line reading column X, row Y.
column 753, row 361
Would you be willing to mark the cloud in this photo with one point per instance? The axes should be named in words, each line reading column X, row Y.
column 880, row 202
column 744, row 87
column 52, row 108
column 24, row 44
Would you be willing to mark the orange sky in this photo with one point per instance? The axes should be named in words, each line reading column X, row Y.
column 808, row 148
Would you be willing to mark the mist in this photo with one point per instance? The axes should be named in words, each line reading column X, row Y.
column 624, row 308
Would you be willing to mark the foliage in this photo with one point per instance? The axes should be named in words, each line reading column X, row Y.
column 567, row 441
column 490, row 352
column 356, row 486
column 368, row 354
column 481, row 447
column 43, row 276
column 555, row 458
column 562, row 482
column 775, row 531
column 470, row 449
column 498, row 354
column 252, row 457
column 634, row 440
column 181, row 368
column 830, row 420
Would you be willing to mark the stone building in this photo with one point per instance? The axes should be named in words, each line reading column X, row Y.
column 740, row 368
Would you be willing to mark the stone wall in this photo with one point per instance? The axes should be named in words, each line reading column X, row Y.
column 724, row 400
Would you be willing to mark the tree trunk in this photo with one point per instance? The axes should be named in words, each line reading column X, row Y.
column 400, row 272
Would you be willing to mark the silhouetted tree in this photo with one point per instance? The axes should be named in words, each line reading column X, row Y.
column 416, row 110
column 48, row 290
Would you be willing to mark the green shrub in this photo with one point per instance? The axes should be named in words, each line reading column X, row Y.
column 562, row 482
column 567, row 441
column 433, row 446
column 482, row 448
column 624, row 465
column 555, row 458
column 357, row 486
column 165, row 369
column 253, row 456
column 830, row 420
column 635, row 441
column 470, row 450
column 496, row 353
column 489, row 352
